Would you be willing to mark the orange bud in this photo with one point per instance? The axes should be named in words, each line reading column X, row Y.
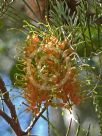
column 35, row 39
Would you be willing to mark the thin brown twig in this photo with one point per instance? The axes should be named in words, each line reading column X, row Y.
column 13, row 120
column 35, row 119
column 7, row 100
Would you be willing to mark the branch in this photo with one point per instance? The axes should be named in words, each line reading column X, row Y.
column 6, row 117
column 34, row 121
column 13, row 121
column 7, row 100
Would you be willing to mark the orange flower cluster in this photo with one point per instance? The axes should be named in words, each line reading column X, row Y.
column 51, row 80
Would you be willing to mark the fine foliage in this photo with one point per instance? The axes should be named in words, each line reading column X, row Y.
column 59, row 61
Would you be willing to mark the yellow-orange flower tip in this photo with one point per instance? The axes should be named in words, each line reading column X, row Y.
column 35, row 38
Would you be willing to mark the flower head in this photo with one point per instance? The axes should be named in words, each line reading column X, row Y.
column 49, row 73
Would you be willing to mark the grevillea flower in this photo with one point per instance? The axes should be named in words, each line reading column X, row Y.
column 51, row 80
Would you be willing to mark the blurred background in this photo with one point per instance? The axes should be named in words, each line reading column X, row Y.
column 60, row 118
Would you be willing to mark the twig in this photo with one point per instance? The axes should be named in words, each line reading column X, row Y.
column 51, row 124
column 35, row 119
column 8, row 101
column 6, row 117
column 13, row 121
